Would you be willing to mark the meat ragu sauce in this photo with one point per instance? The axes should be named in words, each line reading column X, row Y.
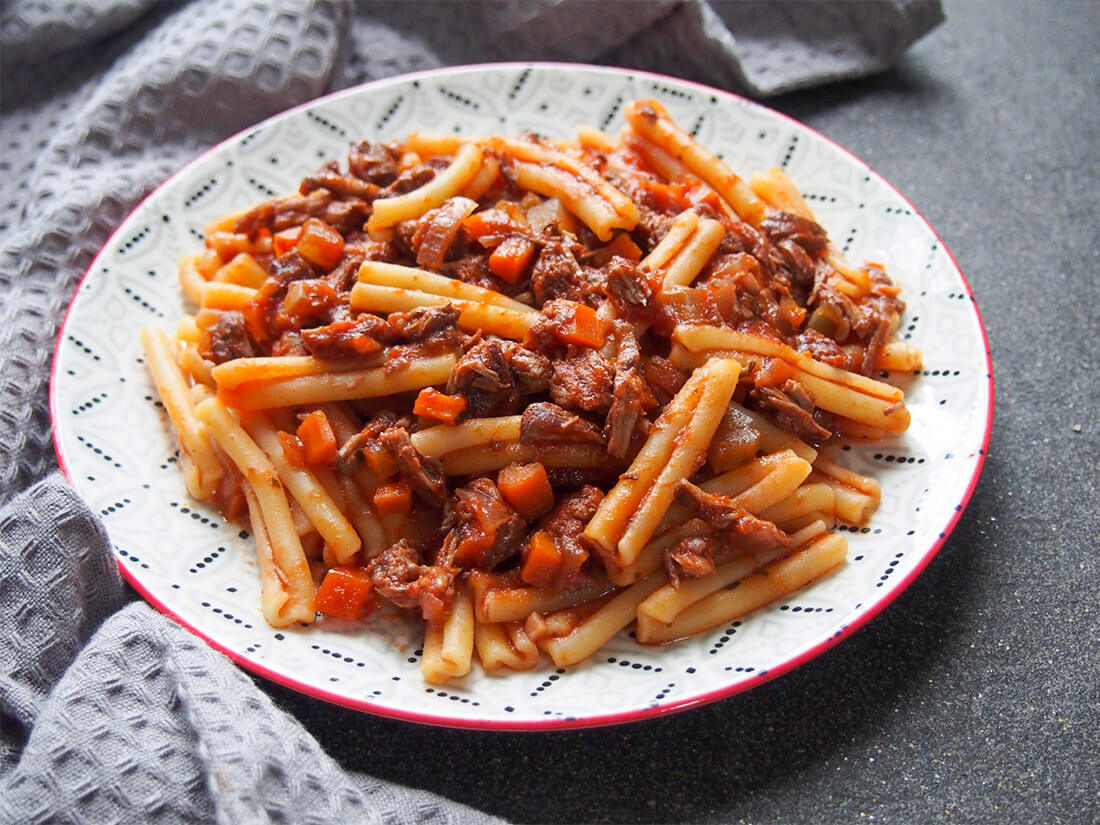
column 602, row 258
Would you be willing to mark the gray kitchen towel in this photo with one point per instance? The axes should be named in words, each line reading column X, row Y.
column 108, row 711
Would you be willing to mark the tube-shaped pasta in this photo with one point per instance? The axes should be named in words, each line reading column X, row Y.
column 288, row 557
column 442, row 439
column 473, row 315
column 231, row 374
column 387, row 212
column 649, row 119
column 420, row 280
column 774, row 581
column 203, row 471
column 449, row 645
column 597, row 629
column 341, row 386
column 721, row 380
column 312, row 496
column 504, row 645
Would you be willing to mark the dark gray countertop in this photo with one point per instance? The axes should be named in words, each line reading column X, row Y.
column 975, row 697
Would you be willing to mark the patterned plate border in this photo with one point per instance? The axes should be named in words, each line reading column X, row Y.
column 100, row 396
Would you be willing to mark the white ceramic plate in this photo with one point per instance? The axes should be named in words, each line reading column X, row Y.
column 113, row 440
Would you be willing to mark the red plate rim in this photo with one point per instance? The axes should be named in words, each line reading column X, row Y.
column 667, row 708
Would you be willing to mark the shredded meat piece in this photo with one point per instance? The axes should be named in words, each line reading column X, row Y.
column 346, row 273
column 630, row 291
column 436, row 231
column 793, row 408
column 565, row 523
column 584, row 381
column 423, row 473
column 227, row 339
column 651, row 228
column 720, row 512
column 556, row 274
column 328, row 177
column 486, row 529
column 398, row 575
column 421, row 323
column 544, row 422
column 632, row 395
column 353, row 448
column 809, row 235
column 494, row 375
column 356, row 338
column 473, row 269
column 409, row 180
column 663, row 377
column 692, row 556
column 373, row 162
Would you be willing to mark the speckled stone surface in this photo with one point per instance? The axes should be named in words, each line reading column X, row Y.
column 975, row 697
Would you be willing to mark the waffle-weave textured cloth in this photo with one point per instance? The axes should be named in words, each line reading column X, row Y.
column 108, row 711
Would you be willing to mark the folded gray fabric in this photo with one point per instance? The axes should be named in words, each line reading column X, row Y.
column 112, row 713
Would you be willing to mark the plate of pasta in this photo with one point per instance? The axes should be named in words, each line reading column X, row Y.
column 523, row 396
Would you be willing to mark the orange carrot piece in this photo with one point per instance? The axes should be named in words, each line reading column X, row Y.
column 511, row 260
column 581, row 327
column 292, row 449
column 431, row 403
column 394, row 498
column 318, row 439
column 623, row 246
column 285, row 240
column 526, row 488
column 320, row 244
column 541, row 560
column 346, row 593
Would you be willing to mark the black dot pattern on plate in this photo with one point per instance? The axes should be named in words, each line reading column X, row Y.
column 898, row 210
column 250, row 137
column 814, row 196
column 912, row 326
column 891, row 458
column 199, row 193
column 262, row 187
column 627, row 663
column 453, row 697
column 342, row 657
column 412, row 660
column 521, row 81
column 115, row 507
column 939, row 373
column 791, row 147
column 194, row 515
column 391, row 110
column 548, row 682
column 326, row 123
column 99, row 452
column 134, row 240
column 99, row 398
column 614, row 110
column 196, row 233
column 148, row 307
column 889, row 571
column 958, row 296
column 740, row 669
column 848, row 241
column 797, row 608
column 724, row 638
column 80, row 345
column 668, row 91
column 128, row 556
column 225, row 614
column 696, row 126
column 207, row 560
column 459, row 98
column 664, row 692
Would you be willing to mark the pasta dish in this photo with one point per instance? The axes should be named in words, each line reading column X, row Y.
column 532, row 391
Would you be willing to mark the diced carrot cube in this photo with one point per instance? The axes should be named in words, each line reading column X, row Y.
column 319, row 243
column 431, row 403
column 511, row 260
column 541, row 560
column 346, row 593
column 526, row 488
column 292, row 449
column 318, row 439
column 393, row 498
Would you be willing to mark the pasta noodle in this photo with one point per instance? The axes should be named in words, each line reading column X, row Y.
column 532, row 392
